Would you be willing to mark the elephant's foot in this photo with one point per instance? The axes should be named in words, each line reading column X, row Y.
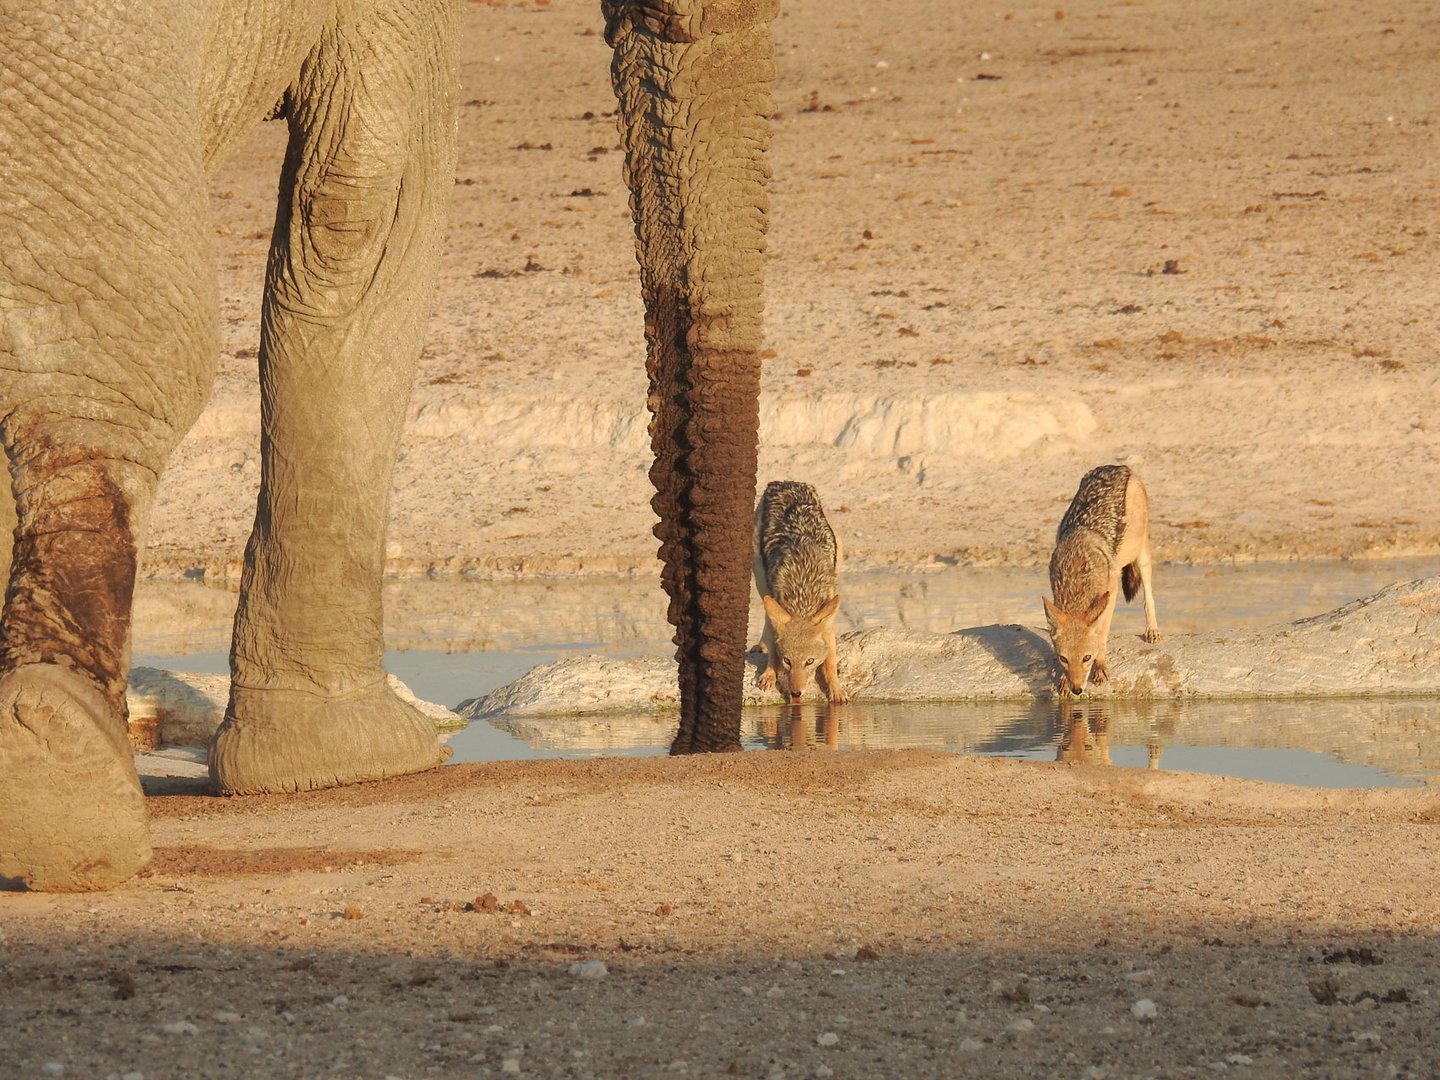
column 289, row 740
column 72, row 815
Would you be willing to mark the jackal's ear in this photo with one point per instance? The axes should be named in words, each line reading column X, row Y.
column 1097, row 608
column 828, row 609
column 778, row 616
column 1053, row 615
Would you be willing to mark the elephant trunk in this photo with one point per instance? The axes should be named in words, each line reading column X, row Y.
column 693, row 81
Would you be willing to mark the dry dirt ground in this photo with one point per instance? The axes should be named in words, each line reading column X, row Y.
column 877, row 914
column 1006, row 246
column 1009, row 242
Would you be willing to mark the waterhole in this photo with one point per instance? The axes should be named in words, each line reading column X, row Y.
column 451, row 641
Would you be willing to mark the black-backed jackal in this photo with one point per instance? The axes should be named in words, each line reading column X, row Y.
column 1103, row 543
column 797, row 561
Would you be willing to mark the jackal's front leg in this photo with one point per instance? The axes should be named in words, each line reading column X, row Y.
column 766, row 679
column 830, row 674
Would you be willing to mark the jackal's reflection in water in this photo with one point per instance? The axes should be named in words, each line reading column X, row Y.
column 1085, row 736
column 801, row 727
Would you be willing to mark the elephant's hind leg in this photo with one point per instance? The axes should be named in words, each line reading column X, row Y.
column 73, row 814
column 348, row 292
column 108, row 337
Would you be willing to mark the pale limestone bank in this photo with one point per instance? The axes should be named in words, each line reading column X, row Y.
column 184, row 708
column 1388, row 643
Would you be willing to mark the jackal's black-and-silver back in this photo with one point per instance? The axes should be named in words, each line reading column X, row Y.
column 1099, row 505
column 795, row 547
column 1099, row 509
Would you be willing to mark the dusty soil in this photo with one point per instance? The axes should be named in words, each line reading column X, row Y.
column 808, row 914
column 1008, row 243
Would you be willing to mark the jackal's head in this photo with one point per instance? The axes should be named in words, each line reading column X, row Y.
column 1077, row 638
column 801, row 644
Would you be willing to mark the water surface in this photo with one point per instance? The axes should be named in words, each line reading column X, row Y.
column 451, row 641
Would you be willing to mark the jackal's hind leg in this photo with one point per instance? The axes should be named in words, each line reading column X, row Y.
column 1142, row 564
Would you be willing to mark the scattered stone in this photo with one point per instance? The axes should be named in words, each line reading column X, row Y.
column 53, row 1068
column 339, row 1001
column 1144, row 1010
column 352, row 912
column 180, row 1027
column 510, row 1065
column 487, row 902
column 1325, row 989
column 972, row 1045
column 828, row 1038
column 867, row 952
column 225, row 1016
column 122, row 984
column 589, row 969
column 1023, row 1026
column 1018, row 994
column 664, row 909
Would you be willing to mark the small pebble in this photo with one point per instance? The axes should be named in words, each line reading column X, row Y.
column 972, row 1045
column 510, row 1065
column 225, row 1016
column 339, row 1000
column 1020, row 1027
column 827, row 1038
column 589, row 969
column 53, row 1068
column 180, row 1027
column 1144, row 1009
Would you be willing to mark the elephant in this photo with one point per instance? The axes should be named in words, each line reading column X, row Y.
column 113, row 116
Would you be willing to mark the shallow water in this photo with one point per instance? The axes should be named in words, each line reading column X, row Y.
column 451, row 641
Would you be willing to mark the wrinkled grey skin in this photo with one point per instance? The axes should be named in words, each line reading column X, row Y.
column 113, row 116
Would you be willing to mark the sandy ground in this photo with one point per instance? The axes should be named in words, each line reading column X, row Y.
column 1006, row 246
column 765, row 915
column 1008, row 243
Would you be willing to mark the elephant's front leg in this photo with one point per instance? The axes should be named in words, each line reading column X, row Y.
column 693, row 81
column 348, row 292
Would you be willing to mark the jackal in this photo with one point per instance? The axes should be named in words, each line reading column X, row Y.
column 1103, row 543
column 797, row 560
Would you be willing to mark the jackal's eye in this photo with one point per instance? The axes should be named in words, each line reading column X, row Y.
column 809, row 661
column 1085, row 659
column 786, row 661
column 1065, row 660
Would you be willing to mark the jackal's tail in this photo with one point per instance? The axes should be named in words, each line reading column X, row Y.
column 1130, row 580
